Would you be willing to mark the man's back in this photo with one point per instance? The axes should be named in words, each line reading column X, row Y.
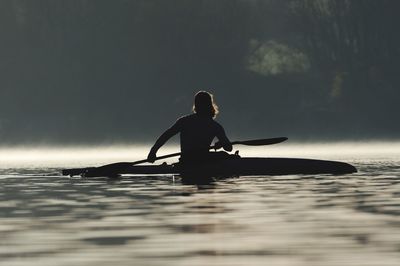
column 197, row 133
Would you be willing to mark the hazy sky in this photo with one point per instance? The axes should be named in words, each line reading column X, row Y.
column 98, row 71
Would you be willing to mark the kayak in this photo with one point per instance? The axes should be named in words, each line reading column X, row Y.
column 238, row 166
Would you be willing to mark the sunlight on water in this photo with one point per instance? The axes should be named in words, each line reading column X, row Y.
column 294, row 220
column 56, row 156
column 330, row 150
column 78, row 156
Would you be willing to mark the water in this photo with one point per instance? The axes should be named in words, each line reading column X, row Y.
column 48, row 219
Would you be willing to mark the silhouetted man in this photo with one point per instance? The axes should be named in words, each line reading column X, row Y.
column 197, row 132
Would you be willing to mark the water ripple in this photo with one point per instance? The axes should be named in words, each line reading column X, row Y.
column 286, row 220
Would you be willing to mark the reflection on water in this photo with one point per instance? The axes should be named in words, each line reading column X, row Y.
column 48, row 219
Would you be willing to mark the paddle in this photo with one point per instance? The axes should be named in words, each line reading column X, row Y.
column 259, row 142
column 117, row 167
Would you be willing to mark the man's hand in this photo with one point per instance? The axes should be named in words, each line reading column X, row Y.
column 152, row 156
column 217, row 145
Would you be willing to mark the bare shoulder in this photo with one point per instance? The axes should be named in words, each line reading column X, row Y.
column 184, row 118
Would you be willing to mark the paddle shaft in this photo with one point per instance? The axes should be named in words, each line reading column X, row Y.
column 115, row 167
column 256, row 142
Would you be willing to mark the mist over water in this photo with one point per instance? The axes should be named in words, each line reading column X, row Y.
column 81, row 156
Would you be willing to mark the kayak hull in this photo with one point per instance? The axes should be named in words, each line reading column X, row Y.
column 251, row 166
column 274, row 166
column 231, row 167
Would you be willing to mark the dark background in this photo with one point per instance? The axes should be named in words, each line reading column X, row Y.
column 107, row 71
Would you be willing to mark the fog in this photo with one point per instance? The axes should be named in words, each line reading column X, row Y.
column 97, row 72
column 33, row 158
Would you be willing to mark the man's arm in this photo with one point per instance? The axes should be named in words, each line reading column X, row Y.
column 223, row 140
column 169, row 133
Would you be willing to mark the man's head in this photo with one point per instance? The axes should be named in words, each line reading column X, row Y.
column 204, row 104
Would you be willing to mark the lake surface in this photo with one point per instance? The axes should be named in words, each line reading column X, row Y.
column 49, row 219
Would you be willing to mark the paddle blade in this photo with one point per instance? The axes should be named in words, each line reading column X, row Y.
column 260, row 142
